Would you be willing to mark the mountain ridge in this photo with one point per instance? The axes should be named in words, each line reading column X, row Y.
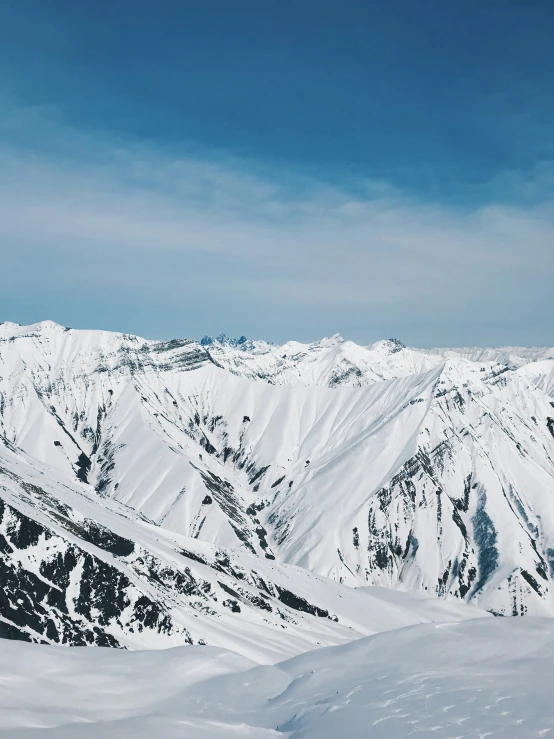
column 383, row 465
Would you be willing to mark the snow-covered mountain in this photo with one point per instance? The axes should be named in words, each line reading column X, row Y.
column 234, row 492
column 464, row 507
column 80, row 569
column 245, row 345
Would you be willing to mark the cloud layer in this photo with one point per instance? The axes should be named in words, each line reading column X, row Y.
column 132, row 237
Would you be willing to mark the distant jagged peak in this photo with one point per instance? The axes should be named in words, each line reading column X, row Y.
column 242, row 344
column 388, row 346
column 222, row 339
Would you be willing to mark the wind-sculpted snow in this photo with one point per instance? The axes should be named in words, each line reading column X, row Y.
column 482, row 678
column 428, row 471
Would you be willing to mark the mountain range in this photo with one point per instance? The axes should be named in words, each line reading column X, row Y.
column 268, row 499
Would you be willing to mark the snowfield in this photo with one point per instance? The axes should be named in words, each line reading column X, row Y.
column 480, row 678
column 306, row 540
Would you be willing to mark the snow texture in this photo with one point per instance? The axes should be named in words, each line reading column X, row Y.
column 480, row 678
column 296, row 540
column 427, row 471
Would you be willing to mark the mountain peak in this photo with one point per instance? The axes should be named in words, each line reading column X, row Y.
column 332, row 340
column 389, row 346
column 242, row 343
column 223, row 340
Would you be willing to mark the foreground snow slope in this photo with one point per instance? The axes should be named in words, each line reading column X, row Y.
column 488, row 677
column 423, row 471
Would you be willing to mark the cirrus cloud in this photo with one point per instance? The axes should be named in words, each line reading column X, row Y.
column 163, row 242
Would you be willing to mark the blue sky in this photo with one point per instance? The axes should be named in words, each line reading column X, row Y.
column 280, row 170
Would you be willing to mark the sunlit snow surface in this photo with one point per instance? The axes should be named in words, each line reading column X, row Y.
column 191, row 500
column 490, row 677
column 428, row 471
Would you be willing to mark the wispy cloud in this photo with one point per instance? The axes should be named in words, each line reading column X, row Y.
column 270, row 249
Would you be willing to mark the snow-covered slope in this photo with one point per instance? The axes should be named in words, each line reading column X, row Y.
column 469, row 510
column 514, row 356
column 378, row 465
column 540, row 374
column 482, row 678
column 78, row 569
column 330, row 362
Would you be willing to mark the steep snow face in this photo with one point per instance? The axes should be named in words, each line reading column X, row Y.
column 380, row 465
column 470, row 510
column 190, row 445
column 482, row 678
column 78, row 569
